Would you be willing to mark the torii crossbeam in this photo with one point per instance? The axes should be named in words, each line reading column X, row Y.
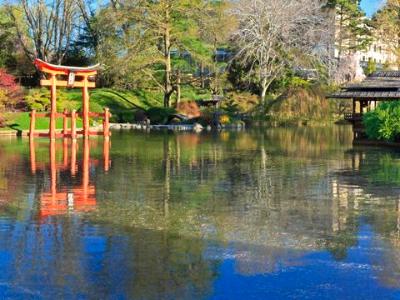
column 71, row 77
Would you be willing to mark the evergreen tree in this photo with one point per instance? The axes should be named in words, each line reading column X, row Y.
column 353, row 31
column 371, row 67
column 387, row 23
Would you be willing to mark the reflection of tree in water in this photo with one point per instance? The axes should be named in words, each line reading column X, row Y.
column 178, row 204
column 12, row 181
column 168, row 266
column 240, row 189
column 65, row 251
column 374, row 177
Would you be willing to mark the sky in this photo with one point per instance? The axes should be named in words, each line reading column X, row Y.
column 371, row 6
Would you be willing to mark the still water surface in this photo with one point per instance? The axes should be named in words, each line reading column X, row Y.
column 263, row 214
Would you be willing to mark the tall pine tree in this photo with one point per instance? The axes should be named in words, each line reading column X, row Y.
column 352, row 28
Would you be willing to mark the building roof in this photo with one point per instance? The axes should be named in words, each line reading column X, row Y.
column 382, row 85
column 395, row 74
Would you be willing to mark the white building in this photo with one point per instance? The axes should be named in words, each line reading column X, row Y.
column 379, row 51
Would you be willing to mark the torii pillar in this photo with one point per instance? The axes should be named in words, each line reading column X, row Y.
column 53, row 83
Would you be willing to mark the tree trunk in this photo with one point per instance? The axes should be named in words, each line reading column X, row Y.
column 203, row 84
column 167, row 175
column 178, row 87
column 167, row 59
column 340, row 35
column 263, row 92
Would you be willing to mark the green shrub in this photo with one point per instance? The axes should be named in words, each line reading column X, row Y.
column 68, row 105
column 383, row 123
column 160, row 115
column 96, row 107
column 370, row 68
column 3, row 99
column 39, row 99
column 123, row 117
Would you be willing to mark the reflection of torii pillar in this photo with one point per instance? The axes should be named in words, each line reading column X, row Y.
column 82, row 197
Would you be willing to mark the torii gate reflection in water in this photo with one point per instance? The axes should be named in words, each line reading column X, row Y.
column 77, row 199
column 70, row 75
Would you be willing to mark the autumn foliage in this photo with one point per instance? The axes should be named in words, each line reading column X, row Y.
column 189, row 108
column 10, row 94
column 10, row 89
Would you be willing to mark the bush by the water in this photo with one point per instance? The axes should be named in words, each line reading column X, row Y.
column 39, row 99
column 301, row 104
column 10, row 92
column 160, row 115
column 383, row 123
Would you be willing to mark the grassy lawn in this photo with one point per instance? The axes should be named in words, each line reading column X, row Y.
column 122, row 105
column 21, row 121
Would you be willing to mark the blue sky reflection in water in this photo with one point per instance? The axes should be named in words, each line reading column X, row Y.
column 269, row 214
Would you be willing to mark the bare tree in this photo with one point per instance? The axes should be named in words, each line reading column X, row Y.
column 275, row 34
column 48, row 27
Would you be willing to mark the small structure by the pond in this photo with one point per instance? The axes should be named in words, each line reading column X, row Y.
column 69, row 77
column 379, row 86
column 215, row 102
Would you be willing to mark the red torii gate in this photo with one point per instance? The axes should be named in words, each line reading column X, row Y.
column 53, row 82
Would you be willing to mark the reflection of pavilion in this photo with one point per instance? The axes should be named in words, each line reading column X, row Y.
column 79, row 198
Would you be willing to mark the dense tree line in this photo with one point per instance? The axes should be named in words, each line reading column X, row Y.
column 208, row 44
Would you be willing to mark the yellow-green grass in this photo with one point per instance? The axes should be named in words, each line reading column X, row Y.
column 21, row 121
column 122, row 105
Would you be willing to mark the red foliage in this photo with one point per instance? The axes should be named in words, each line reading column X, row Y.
column 12, row 88
column 7, row 81
column 189, row 108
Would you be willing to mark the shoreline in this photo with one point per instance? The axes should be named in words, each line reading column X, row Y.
column 174, row 127
column 25, row 133
column 374, row 143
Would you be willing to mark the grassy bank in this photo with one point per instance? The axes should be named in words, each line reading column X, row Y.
column 296, row 107
column 123, row 105
column 20, row 121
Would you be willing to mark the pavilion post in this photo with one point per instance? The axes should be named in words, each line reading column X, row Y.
column 32, row 124
column 53, row 107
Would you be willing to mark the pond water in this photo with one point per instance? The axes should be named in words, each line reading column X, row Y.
column 262, row 214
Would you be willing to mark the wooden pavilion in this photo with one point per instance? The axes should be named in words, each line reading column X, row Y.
column 379, row 86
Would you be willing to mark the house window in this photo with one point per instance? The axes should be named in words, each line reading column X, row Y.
column 374, row 48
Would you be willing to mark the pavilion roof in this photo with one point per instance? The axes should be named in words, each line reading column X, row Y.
column 382, row 85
